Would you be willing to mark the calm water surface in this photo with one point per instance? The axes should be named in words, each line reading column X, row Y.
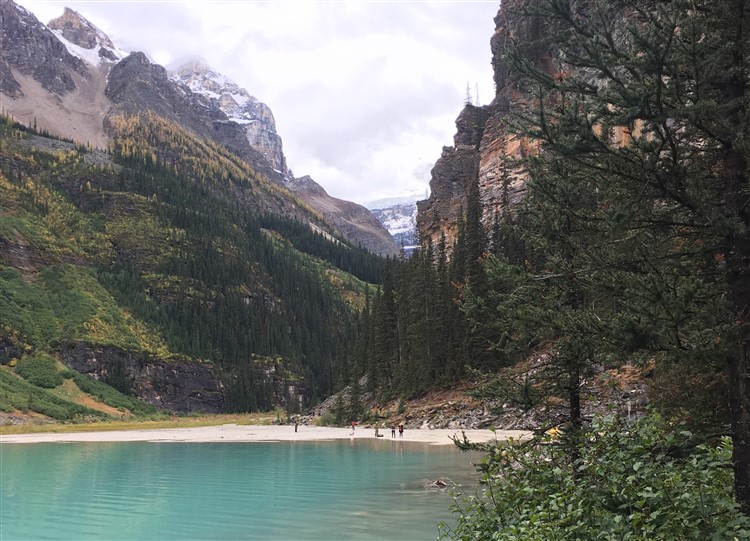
column 359, row 489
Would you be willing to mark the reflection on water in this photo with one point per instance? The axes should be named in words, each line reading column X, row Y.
column 355, row 489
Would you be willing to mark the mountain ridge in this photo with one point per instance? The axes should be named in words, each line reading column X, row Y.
column 71, row 87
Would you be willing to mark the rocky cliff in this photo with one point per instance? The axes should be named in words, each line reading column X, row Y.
column 175, row 386
column 178, row 385
column 484, row 150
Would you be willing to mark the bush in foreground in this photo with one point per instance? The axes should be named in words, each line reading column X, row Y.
column 644, row 481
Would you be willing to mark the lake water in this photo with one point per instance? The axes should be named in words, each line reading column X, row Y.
column 358, row 489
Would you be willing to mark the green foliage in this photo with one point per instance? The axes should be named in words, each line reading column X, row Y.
column 327, row 418
column 67, row 373
column 645, row 481
column 26, row 310
column 17, row 394
column 40, row 371
column 515, row 389
column 110, row 396
column 68, row 304
column 353, row 260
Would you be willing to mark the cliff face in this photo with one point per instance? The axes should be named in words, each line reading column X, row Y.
column 451, row 178
column 483, row 150
column 175, row 386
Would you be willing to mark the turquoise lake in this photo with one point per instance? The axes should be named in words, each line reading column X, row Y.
column 356, row 489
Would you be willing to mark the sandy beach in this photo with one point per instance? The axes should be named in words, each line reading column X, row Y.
column 256, row 433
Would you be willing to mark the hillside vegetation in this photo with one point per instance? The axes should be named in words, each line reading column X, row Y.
column 166, row 249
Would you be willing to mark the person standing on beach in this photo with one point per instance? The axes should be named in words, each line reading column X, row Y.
column 401, row 430
column 393, row 431
column 353, row 424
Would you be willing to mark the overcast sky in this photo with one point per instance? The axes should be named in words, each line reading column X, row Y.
column 365, row 93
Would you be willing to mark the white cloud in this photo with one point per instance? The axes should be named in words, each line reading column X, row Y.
column 364, row 93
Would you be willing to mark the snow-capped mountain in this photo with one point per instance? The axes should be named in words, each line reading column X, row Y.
column 84, row 40
column 353, row 221
column 399, row 217
column 255, row 116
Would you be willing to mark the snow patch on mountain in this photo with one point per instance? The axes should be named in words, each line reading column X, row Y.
column 92, row 56
column 84, row 40
column 234, row 100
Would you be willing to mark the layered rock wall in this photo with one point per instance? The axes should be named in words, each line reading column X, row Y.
column 484, row 150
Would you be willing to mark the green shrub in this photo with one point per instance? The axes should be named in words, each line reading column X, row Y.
column 17, row 394
column 67, row 373
column 641, row 482
column 40, row 371
column 328, row 418
column 110, row 396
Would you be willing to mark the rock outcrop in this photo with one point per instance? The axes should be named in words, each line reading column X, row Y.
column 172, row 385
column 484, row 149
column 451, row 177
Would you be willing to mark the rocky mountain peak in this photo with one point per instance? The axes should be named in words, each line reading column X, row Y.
column 306, row 184
column 238, row 104
column 84, row 39
column 79, row 31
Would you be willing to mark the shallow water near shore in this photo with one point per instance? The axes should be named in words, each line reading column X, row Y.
column 358, row 489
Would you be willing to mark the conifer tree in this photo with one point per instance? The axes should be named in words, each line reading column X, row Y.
column 646, row 104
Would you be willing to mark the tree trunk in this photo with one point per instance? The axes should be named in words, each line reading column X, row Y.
column 738, row 292
column 737, row 252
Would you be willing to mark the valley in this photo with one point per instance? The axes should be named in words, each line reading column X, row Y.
column 578, row 269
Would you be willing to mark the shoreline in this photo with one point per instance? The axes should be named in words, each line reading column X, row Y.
column 234, row 433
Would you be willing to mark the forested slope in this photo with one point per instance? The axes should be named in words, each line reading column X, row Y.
column 171, row 270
